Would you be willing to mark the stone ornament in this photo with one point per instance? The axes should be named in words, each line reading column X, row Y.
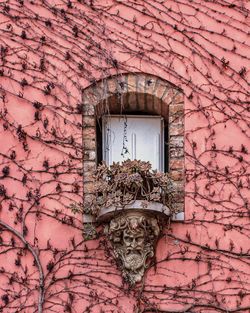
column 133, row 236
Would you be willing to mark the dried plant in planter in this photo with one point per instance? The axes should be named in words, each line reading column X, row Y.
column 121, row 184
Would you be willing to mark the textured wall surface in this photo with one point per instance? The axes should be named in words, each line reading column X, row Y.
column 50, row 52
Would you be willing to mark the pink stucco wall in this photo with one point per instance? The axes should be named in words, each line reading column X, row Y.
column 50, row 52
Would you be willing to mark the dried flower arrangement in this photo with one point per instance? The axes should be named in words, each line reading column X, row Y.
column 121, row 184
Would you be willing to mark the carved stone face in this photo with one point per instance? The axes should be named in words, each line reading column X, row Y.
column 133, row 237
column 134, row 243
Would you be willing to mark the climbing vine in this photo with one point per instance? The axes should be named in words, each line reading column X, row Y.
column 50, row 51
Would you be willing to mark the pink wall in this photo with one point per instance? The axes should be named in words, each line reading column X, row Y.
column 50, row 51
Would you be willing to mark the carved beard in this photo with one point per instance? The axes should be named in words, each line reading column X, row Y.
column 133, row 260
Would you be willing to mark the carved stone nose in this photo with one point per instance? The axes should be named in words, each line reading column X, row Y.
column 133, row 243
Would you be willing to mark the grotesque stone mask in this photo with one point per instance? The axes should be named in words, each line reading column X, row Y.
column 133, row 237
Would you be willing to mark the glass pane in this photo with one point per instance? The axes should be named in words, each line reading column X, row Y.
column 133, row 137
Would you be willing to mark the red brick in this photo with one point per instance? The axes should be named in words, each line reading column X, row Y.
column 176, row 164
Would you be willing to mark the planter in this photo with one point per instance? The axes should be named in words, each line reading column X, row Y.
column 150, row 208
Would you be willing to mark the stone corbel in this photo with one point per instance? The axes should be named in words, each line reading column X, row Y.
column 133, row 232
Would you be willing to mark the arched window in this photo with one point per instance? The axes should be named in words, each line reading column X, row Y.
column 134, row 116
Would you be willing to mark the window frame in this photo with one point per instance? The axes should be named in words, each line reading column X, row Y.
column 134, row 94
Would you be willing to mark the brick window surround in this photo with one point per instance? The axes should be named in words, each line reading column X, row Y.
column 133, row 93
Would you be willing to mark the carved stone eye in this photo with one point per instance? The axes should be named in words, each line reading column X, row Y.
column 140, row 239
column 128, row 239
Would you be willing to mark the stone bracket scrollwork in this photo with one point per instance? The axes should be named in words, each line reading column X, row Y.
column 133, row 236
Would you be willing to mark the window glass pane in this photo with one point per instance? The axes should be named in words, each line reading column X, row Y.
column 133, row 137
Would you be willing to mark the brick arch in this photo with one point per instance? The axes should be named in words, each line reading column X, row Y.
column 127, row 87
column 138, row 93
